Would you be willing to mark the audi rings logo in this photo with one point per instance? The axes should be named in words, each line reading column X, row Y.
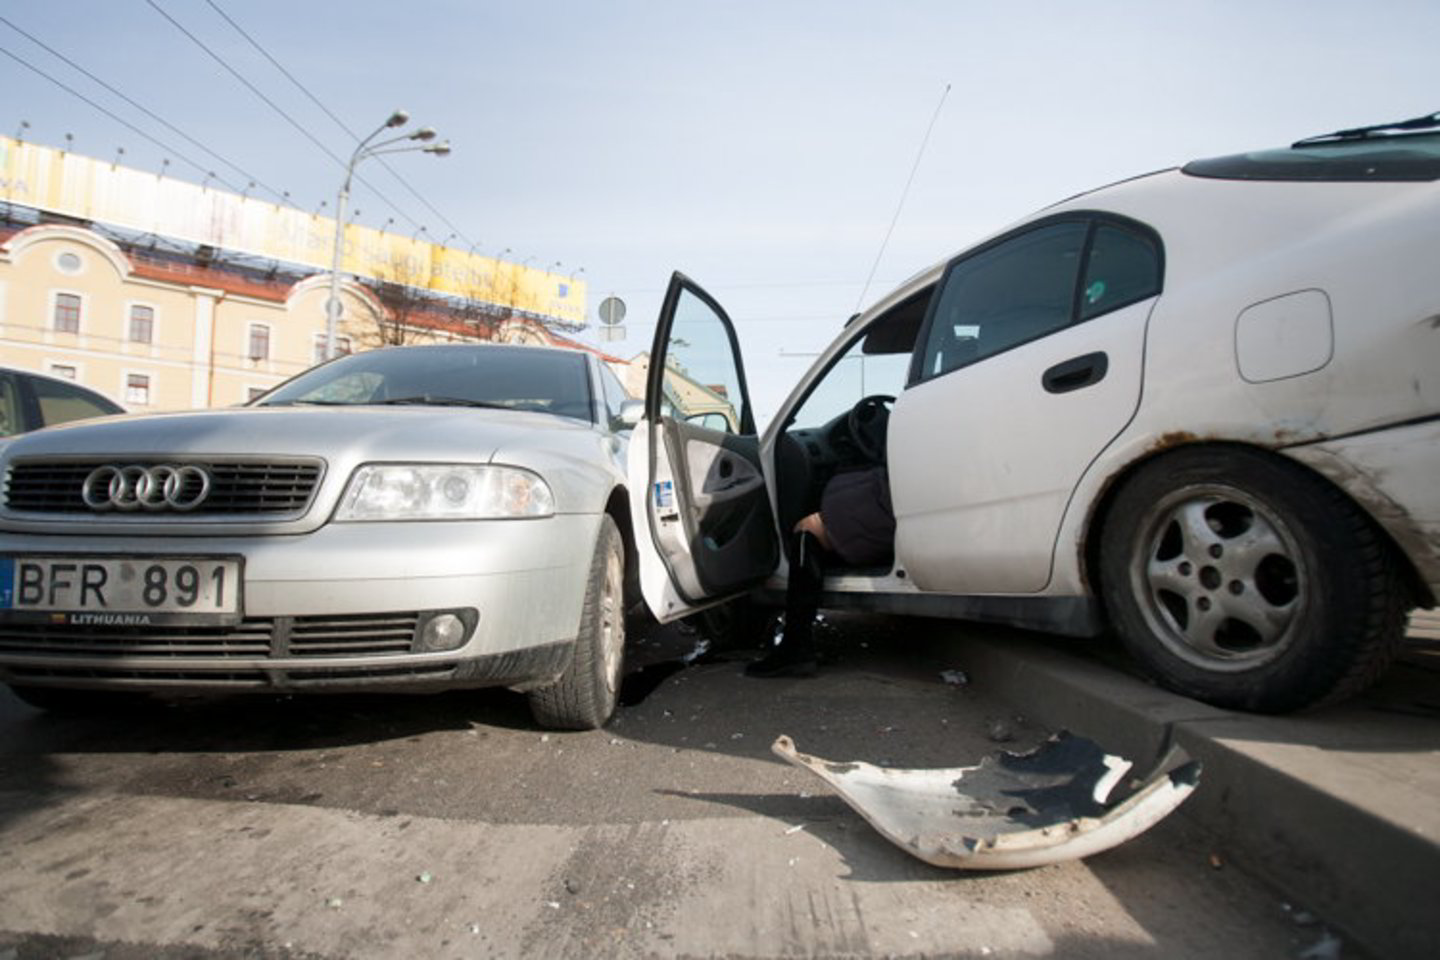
column 160, row 487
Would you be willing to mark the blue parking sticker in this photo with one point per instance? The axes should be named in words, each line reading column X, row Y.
column 664, row 494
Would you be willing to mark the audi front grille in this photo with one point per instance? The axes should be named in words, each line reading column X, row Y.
column 237, row 487
column 355, row 635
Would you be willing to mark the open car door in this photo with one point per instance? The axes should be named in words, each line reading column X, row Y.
column 704, row 530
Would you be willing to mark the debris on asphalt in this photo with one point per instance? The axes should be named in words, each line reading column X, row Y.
column 956, row 678
column 425, row 876
column 1326, row 948
column 334, row 903
column 1065, row 800
column 795, row 829
column 1000, row 730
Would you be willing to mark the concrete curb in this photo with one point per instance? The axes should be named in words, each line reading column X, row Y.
column 1335, row 808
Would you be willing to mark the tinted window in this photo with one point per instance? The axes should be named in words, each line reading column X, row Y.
column 546, row 381
column 1123, row 268
column 61, row 403
column 1003, row 296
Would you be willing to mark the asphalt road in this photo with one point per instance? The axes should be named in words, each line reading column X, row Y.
column 449, row 826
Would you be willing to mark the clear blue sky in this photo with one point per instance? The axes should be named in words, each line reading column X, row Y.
column 761, row 147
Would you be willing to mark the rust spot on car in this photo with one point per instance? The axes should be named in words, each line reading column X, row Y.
column 1173, row 439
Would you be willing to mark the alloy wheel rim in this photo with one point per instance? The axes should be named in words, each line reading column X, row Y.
column 1220, row 578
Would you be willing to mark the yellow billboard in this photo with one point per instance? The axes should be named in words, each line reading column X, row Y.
column 88, row 189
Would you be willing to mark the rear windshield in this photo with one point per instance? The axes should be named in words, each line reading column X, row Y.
column 1413, row 156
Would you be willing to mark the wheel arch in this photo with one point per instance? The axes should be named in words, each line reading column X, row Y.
column 1100, row 512
column 617, row 507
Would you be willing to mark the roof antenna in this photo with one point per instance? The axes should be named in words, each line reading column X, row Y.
column 903, row 194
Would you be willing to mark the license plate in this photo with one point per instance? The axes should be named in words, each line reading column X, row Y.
column 115, row 591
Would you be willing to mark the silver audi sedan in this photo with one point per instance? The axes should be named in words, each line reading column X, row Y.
column 413, row 518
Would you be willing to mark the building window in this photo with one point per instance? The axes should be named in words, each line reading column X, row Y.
column 68, row 262
column 63, row 370
column 137, row 389
column 142, row 323
column 259, row 342
column 342, row 347
column 67, row 312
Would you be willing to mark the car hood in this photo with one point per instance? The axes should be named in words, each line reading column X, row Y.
column 456, row 434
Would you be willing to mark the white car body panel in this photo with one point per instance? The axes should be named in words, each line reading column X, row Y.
column 965, row 469
column 650, row 513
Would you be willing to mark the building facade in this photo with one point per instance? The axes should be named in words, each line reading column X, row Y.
column 166, row 295
column 170, row 330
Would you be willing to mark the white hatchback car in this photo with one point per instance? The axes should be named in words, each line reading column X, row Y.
column 1200, row 407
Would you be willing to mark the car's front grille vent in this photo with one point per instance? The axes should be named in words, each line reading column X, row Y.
column 250, row 638
column 237, row 487
column 269, row 679
column 278, row 638
column 352, row 636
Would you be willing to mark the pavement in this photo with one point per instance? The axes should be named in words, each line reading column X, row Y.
column 1335, row 807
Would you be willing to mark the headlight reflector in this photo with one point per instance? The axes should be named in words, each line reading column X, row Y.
column 426, row 491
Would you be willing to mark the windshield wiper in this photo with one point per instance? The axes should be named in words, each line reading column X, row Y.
column 430, row 399
column 307, row 403
column 1428, row 122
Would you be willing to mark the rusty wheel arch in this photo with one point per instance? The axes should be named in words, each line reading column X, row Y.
column 1166, row 445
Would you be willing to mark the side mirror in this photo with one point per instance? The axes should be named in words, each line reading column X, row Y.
column 631, row 412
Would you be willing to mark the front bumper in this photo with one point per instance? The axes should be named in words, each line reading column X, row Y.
column 336, row 609
column 1392, row 474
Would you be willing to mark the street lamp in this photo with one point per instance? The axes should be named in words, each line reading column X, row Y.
column 367, row 148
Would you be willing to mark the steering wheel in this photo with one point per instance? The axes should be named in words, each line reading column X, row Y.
column 867, row 424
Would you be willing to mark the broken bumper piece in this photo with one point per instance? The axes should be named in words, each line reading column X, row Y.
column 1065, row 800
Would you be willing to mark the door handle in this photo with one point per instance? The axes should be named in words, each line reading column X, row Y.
column 1076, row 373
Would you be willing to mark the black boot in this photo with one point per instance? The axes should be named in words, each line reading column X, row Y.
column 794, row 655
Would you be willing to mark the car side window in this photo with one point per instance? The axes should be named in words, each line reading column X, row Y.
column 614, row 392
column 1123, row 267
column 702, row 380
column 1003, row 296
column 61, row 403
column 11, row 417
column 615, row 395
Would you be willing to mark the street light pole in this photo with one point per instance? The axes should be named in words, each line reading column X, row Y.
column 333, row 307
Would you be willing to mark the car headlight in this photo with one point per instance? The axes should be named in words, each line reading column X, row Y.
column 423, row 491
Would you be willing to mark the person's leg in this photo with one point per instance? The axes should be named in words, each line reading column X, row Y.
column 794, row 655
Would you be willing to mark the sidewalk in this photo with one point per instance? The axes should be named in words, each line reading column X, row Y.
column 1338, row 808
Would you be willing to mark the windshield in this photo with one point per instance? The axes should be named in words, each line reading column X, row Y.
column 518, row 378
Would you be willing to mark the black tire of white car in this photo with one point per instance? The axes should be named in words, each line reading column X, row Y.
column 585, row 696
column 1243, row 580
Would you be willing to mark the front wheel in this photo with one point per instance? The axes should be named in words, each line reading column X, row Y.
column 1245, row 581
column 584, row 697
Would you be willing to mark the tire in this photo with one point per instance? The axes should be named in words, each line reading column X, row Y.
column 1245, row 581
column 584, row 697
